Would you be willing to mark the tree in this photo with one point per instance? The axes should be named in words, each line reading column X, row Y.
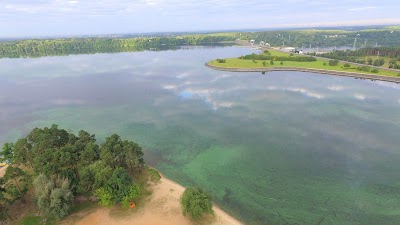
column 105, row 197
column 374, row 70
column 134, row 192
column 133, row 156
column 119, row 184
column 112, row 153
column 333, row 62
column 370, row 61
column 196, row 203
column 4, row 203
column 281, row 63
column 347, row 65
column 271, row 62
column 16, row 182
column 324, row 64
column 54, row 196
column 264, row 63
column 7, row 152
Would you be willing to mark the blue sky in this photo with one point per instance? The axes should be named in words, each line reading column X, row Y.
column 20, row 18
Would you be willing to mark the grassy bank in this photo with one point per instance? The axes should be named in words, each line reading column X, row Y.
column 318, row 64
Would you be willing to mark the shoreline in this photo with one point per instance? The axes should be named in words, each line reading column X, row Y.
column 309, row 70
column 218, row 212
column 162, row 208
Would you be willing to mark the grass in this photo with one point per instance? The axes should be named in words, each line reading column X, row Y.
column 35, row 220
column 319, row 64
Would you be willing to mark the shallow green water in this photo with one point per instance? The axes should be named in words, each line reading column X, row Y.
column 280, row 148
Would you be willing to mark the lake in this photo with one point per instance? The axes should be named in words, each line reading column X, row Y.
column 279, row 148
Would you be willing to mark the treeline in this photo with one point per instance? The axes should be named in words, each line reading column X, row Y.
column 278, row 58
column 327, row 38
column 68, row 46
column 366, row 55
column 60, row 165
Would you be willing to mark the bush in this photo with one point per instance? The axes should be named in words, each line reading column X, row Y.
column 281, row 63
column 374, row 70
column 267, row 52
column 271, row 62
column 196, row 203
column 324, row 64
column 221, row 60
column 133, row 192
column 333, row 62
column 363, row 68
column 347, row 65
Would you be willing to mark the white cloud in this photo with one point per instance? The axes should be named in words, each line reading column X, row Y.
column 362, row 8
column 335, row 88
column 359, row 97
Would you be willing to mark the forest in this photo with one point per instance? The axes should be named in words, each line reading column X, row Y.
column 57, row 165
column 369, row 56
column 68, row 46
column 304, row 38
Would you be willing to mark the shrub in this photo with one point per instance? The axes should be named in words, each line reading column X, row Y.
column 196, row 203
column 271, row 62
column 133, row 192
column 281, row 63
column 347, row 65
column 363, row 68
column 221, row 60
column 333, row 62
column 324, row 63
column 374, row 70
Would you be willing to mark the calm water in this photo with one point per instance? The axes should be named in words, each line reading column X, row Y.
column 280, row 148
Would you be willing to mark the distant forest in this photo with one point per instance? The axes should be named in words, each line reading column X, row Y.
column 389, row 36
column 369, row 56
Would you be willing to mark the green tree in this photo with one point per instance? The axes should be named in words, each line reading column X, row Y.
column 112, row 152
column 133, row 156
column 16, row 182
column 4, row 202
column 119, row 184
column 333, row 62
column 54, row 196
column 347, row 65
column 7, row 153
column 133, row 192
column 264, row 63
column 105, row 197
column 281, row 63
column 271, row 62
column 196, row 203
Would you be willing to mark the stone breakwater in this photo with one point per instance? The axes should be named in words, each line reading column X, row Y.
column 309, row 70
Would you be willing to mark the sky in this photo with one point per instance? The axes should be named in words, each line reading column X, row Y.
column 27, row 18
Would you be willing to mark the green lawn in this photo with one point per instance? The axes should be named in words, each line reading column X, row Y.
column 319, row 64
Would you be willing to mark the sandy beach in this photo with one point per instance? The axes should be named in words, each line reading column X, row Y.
column 162, row 208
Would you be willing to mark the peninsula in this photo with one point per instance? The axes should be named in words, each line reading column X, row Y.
column 275, row 60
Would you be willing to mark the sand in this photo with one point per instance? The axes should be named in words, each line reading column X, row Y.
column 3, row 171
column 162, row 208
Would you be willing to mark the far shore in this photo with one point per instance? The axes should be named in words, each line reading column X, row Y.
column 310, row 70
column 162, row 208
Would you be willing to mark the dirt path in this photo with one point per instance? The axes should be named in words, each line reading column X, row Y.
column 163, row 208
